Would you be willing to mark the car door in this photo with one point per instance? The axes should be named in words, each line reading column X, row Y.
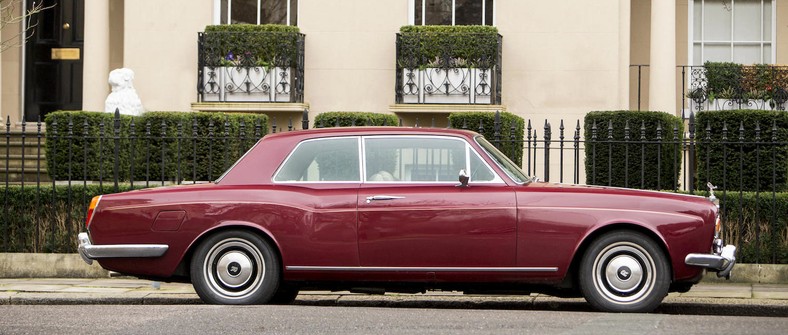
column 412, row 216
column 318, row 185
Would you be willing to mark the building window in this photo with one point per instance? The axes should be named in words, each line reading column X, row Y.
column 739, row 31
column 257, row 12
column 453, row 12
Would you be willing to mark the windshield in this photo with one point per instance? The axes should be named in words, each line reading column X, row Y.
column 511, row 169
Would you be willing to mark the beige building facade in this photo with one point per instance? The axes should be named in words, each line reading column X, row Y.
column 560, row 60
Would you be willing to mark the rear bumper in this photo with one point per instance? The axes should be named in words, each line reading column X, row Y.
column 89, row 252
column 721, row 262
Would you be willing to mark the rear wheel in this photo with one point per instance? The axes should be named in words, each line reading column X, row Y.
column 624, row 271
column 235, row 268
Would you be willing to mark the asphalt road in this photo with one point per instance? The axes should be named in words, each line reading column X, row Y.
column 311, row 319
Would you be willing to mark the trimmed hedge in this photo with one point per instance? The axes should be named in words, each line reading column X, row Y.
column 156, row 141
column 759, row 229
column 50, row 225
column 448, row 46
column 510, row 141
column 659, row 162
column 719, row 163
column 350, row 119
column 248, row 45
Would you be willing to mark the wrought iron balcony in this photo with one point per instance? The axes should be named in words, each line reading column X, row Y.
column 250, row 67
column 454, row 68
column 724, row 86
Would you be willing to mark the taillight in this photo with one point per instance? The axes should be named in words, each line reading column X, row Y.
column 93, row 203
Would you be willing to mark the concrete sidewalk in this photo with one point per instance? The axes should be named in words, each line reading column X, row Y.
column 61, row 291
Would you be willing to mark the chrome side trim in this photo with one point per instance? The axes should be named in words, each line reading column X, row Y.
column 419, row 269
column 89, row 252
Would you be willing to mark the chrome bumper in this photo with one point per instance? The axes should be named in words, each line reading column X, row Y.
column 721, row 261
column 89, row 252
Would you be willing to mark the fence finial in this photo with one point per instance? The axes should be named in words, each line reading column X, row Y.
column 626, row 130
column 609, row 129
column 643, row 130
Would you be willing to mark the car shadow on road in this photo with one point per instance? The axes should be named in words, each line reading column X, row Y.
column 718, row 307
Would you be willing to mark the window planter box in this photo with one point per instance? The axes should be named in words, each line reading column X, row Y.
column 458, row 85
column 246, row 84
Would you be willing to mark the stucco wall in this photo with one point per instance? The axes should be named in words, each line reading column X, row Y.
column 558, row 60
column 160, row 45
column 10, row 71
column 350, row 50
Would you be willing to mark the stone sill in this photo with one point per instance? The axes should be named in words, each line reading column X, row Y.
column 249, row 107
column 444, row 108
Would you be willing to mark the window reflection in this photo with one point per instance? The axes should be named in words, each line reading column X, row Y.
column 258, row 12
column 456, row 12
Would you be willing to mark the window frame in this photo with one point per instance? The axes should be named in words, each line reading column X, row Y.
column 412, row 13
column 217, row 11
column 497, row 180
column 731, row 42
column 284, row 162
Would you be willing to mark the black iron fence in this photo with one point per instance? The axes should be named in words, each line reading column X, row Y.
column 747, row 162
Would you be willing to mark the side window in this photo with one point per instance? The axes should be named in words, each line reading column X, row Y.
column 479, row 170
column 333, row 159
column 413, row 159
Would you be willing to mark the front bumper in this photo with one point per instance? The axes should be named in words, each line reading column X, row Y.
column 89, row 252
column 721, row 261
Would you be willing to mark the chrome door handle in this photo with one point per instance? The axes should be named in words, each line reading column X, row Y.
column 383, row 197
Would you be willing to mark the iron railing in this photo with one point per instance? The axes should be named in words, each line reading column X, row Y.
column 227, row 73
column 754, row 87
column 444, row 77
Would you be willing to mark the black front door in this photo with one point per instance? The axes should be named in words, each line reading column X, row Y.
column 53, row 59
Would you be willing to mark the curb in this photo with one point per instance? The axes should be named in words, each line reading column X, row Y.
column 34, row 265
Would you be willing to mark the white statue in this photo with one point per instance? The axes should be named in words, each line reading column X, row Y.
column 123, row 97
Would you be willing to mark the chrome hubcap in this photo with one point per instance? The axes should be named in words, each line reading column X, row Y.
column 624, row 272
column 234, row 268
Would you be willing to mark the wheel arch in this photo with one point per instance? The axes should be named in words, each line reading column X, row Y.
column 183, row 266
column 572, row 272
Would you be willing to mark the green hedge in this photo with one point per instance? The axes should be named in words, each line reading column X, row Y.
column 646, row 158
column 50, row 225
column 472, row 120
column 448, row 46
column 719, row 163
column 186, row 156
column 250, row 45
column 759, row 229
column 348, row 119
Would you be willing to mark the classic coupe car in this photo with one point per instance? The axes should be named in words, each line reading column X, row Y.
column 376, row 209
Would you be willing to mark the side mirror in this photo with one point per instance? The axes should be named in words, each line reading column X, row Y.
column 463, row 178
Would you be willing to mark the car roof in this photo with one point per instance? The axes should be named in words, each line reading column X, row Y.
column 362, row 131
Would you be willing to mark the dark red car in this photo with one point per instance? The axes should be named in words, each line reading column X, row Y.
column 380, row 209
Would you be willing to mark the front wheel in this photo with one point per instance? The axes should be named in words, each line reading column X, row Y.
column 235, row 268
column 624, row 271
